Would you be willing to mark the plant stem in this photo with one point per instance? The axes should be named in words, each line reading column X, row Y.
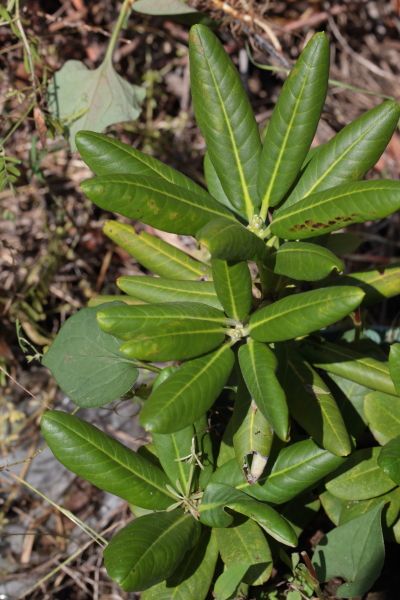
column 124, row 13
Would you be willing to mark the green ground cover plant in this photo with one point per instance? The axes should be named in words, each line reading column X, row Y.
column 268, row 402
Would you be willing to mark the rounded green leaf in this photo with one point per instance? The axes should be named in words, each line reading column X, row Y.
column 233, row 286
column 104, row 462
column 154, row 201
column 231, row 241
column 305, row 262
column 302, row 313
column 389, row 459
column 188, row 393
column 87, row 363
column 293, row 122
column 225, row 117
column 149, row 549
column 336, row 208
column 161, row 289
column 362, row 479
column 394, row 365
column 258, row 365
column 382, row 412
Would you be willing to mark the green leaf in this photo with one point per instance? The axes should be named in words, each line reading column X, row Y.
column 126, row 322
column 174, row 451
column 187, row 394
column 107, row 156
column 225, row 118
column 350, row 398
column 297, row 468
column 215, row 188
column 354, row 551
column 312, row 405
column 154, row 201
column 149, row 549
column 336, row 208
column 246, row 544
column 332, row 506
column 107, row 298
column 305, row 262
column 194, row 574
column 377, row 284
column 352, row 510
column 362, row 479
column 87, row 363
column 389, row 459
column 218, row 496
column 293, row 122
column 382, row 412
column 228, row 582
column 302, row 313
column 233, row 286
column 394, row 365
column 229, row 240
column 161, row 289
column 258, row 365
column 154, row 254
column 350, row 153
column 92, row 99
column 104, row 462
column 163, row 7
column 343, row 360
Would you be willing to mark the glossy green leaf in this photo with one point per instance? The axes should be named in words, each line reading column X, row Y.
column 343, row 360
column 258, row 365
column 377, row 284
column 149, row 549
column 354, row 551
column 187, row 394
column 154, row 201
column 350, row 153
column 302, row 313
column 161, row 289
column 394, row 365
column 229, row 240
column 312, row 405
column 297, row 468
column 246, row 544
column 362, row 479
column 391, row 500
column 126, row 322
column 332, row 506
column 293, row 122
column 226, row 119
column 173, row 451
column 233, row 286
column 350, row 399
column 104, row 462
column 87, row 363
column 228, row 582
column 382, row 412
column 192, row 578
column 389, row 459
column 154, row 254
column 304, row 261
column 336, row 208
column 107, row 156
column 215, row 188
column 218, row 496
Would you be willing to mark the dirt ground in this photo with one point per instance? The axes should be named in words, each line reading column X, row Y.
column 54, row 257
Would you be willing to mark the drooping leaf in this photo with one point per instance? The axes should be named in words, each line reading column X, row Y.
column 246, row 544
column 302, row 313
column 362, row 479
column 104, row 462
column 162, row 289
column 218, row 496
column 354, row 551
column 149, row 549
column 215, row 188
column 258, row 365
column 87, row 363
column 382, row 412
column 92, row 99
column 154, row 201
column 226, row 119
column 233, row 286
column 350, row 153
column 377, row 284
column 336, row 208
column 343, row 360
column 154, row 254
column 293, row 122
column 389, row 459
column 304, row 261
column 187, row 394
column 127, row 322
column 394, row 365
column 231, row 241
